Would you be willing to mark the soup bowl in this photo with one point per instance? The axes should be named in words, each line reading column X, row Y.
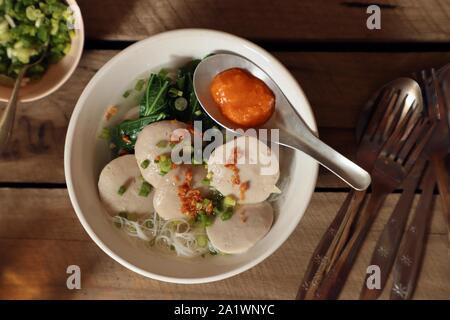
column 86, row 155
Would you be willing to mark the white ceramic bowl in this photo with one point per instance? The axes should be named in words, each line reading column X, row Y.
column 85, row 156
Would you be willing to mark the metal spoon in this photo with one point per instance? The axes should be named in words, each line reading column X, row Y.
column 293, row 131
column 7, row 119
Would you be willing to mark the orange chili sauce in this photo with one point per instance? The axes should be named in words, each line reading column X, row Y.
column 242, row 98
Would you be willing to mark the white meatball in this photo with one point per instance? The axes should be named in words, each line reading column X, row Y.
column 153, row 141
column 256, row 165
column 248, row 225
column 166, row 201
column 123, row 171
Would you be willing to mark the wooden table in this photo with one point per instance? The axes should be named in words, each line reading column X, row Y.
column 337, row 61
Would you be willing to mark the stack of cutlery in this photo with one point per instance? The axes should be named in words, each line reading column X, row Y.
column 403, row 140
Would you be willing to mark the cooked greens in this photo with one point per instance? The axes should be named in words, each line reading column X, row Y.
column 124, row 135
column 25, row 28
column 163, row 98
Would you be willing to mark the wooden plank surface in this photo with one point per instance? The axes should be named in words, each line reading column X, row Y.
column 40, row 237
column 329, row 20
column 336, row 84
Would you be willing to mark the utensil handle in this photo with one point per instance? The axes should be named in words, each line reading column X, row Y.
column 443, row 182
column 345, row 169
column 321, row 256
column 334, row 281
column 7, row 120
column 387, row 246
column 409, row 258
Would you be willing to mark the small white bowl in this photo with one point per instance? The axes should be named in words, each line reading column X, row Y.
column 85, row 155
column 57, row 74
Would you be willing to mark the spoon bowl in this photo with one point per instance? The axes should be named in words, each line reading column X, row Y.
column 293, row 132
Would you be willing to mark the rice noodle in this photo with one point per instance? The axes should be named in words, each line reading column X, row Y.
column 174, row 234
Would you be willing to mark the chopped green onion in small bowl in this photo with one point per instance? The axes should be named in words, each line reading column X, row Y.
column 25, row 28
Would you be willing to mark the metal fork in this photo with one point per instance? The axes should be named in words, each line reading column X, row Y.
column 386, row 111
column 395, row 161
column 410, row 254
column 440, row 141
column 388, row 243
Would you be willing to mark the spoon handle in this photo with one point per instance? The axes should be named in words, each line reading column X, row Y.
column 7, row 120
column 345, row 169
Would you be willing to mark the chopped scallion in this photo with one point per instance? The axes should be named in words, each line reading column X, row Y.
column 139, row 85
column 229, row 201
column 145, row 190
column 145, row 164
column 181, row 104
column 126, row 94
column 105, row 134
column 174, row 92
column 205, row 220
column 226, row 215
column 162, row 144
column 202, row 240
column 122, row 190
column 164, row 164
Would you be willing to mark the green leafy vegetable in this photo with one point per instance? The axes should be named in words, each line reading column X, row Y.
column 125, row 134
column 155, row 99
column 163, row 98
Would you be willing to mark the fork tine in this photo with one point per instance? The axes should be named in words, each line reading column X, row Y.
column 402, row 129
column 411, row 140
column 396, row 116
column 379, row 113
column 424, row 137
column 386, row 119
column 437, row 107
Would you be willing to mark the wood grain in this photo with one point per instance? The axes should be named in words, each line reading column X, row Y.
column 336, row 84
column 40, row 237
column 294, row 20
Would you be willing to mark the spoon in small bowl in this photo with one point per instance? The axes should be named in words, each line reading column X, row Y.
column 293, row 131
column 7, row 118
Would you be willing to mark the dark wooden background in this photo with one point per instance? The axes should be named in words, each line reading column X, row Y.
column 338, row 62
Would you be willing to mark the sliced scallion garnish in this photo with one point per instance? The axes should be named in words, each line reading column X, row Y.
column 122, row 190
column 181, row 104
column 139, row 85
column 105, row 134
column 126, row 94
column 229, row 201
column 202, row 240
column 174, row 92
column 164, row 164
column 162, row 144
column 145, row 163
column 145, row 190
